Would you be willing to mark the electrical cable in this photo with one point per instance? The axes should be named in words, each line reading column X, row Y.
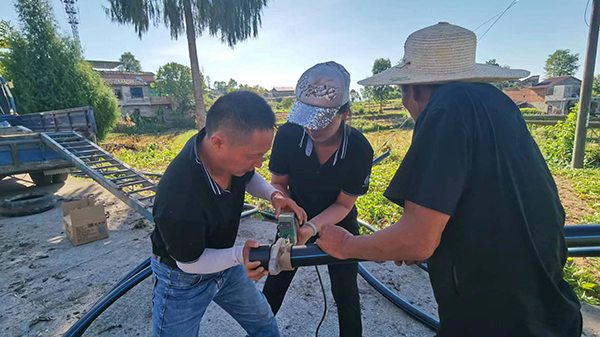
column 501, row 14
column 324, row 302
column 481, row 25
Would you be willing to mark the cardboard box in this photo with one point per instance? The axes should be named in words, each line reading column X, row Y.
column 84, row 221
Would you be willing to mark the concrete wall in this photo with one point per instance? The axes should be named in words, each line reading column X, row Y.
column 562, row 91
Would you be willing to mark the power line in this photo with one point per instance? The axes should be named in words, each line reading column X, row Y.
column 585, row 12
column 499, row 17
column 481, row 25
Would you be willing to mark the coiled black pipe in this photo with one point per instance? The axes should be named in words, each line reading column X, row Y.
column 575, row 235
column 84, row 322
column 398, row 301
column 422, row 317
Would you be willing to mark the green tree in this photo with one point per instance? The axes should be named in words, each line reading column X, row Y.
column 562, row 63
column 367, row 94
column 233, row 21
column 257, row 89
column 49, row 72
column 596, row 86
column 232, row 85
column 175, row 80
column 6, row 31
column 129, row 63
column 503, row 84
column 286, row 103
column 354, row 96
column 381, row 93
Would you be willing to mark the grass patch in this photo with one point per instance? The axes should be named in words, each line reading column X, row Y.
column 153, row 152
column 150, row 153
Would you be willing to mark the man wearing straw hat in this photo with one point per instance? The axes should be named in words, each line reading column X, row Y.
column 479, row 201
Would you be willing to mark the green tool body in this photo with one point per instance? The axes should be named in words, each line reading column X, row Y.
column 286, row 227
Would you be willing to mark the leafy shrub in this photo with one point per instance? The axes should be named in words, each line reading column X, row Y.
column 531, row 111
column 559, row 140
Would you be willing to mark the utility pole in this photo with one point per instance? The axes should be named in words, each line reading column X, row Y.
column 585, row 97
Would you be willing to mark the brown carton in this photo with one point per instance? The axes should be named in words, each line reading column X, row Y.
column 84, row 221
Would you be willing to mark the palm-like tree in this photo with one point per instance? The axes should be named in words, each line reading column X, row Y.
column 232, row 21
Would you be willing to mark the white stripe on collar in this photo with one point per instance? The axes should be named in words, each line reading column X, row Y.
column 217, row 190
column 343, row 144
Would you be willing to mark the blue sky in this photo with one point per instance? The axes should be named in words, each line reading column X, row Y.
column 297, row 34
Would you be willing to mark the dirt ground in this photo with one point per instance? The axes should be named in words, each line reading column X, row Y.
column 47, row 283
column 574, row 206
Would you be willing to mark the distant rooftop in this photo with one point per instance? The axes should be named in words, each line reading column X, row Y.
column 283, row 88
column 119, row 72
column 121, row 81
column 107, row 65
column 552, row 81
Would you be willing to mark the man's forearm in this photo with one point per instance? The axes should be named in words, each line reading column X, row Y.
column 214, row 260
column 395, row 243
column 258, row 187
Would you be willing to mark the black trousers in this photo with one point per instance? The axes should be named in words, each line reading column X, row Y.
column 344, row 287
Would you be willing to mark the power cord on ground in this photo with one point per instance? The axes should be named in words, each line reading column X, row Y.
column 324, row 302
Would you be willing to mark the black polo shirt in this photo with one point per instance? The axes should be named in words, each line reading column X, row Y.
column 315, row 187
column 498, row 270
column 191, row 211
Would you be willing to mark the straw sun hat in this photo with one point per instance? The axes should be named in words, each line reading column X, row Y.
column 438, row 54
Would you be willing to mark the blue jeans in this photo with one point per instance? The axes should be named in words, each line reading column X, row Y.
column 179, row 301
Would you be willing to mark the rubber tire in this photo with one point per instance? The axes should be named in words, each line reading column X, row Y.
column 27, row 204
column 40, row 179
column 60, row 178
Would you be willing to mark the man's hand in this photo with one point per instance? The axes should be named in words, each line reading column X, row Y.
column 304, row 234
column 253, row 271
column 280, row 202
column 332, row 240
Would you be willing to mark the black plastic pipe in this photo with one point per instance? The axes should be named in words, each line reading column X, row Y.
column 380, row 158
column 300, row 256
column 422, row 317
column 584, row 252
column 582, row 241
column 582, row 230
column 86, row 320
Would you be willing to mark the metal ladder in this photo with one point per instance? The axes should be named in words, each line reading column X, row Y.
column 133, row 188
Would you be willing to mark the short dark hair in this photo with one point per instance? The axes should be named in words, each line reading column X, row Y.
column 240, row 113
column 343, row 108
